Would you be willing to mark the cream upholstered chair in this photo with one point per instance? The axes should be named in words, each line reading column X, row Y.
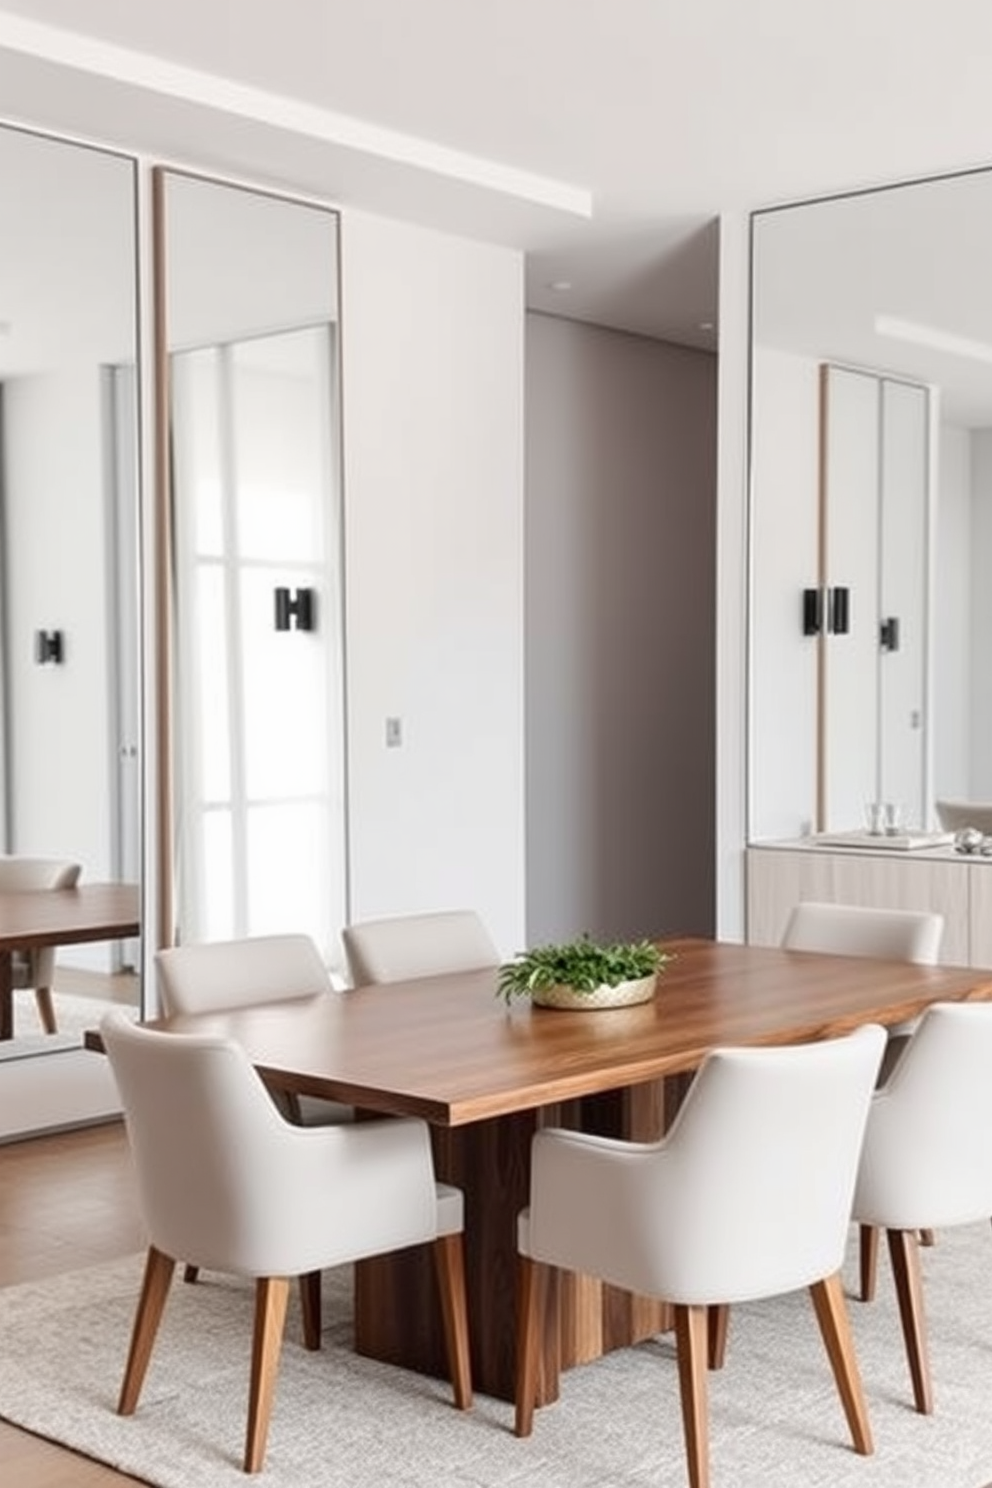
column 927, row 1157
column 748, row 1195
column 888, row 934
column 224, row 1180
column 954, row 816
column 409, row 946
column 856, row 930
column 36, row 968
column 214, row 976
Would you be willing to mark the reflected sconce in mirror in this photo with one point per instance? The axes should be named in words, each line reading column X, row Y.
column 296, row 610
column 838, row 610
column 48, row 647
column 812, row 611
column 827, row 610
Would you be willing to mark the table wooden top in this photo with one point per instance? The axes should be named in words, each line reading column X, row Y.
column 448, row 1050
column 92, row 911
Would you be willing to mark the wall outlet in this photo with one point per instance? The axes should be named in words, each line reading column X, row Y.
column 394, row 733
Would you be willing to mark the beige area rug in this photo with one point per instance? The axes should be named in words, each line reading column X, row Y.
column 344, row 1422
column 75, row 1014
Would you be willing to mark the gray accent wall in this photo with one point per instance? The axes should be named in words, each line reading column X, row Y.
column 620, row 606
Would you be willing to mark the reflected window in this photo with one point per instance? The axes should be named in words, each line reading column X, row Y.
column 255, row 513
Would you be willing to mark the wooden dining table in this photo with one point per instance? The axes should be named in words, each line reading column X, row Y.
column 486, row 1075
column 56, row 917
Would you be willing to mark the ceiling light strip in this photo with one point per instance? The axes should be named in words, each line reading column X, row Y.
column 142, row 70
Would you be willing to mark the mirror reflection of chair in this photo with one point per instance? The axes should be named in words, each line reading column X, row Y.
column 404, row 947
column 35, row 969
column 955, row 816
column 927, row 1157
column 747, row 1196
column 886, row 934
column 224, row 1180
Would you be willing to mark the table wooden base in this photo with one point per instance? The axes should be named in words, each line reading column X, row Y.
column 397, row 1313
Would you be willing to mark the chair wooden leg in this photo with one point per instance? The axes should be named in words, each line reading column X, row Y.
column 868, row 1238
column 310, row 1305
column 717, row 1321
column 271, row 1296
column 154, row 1290
column 835, row 1326
column 532, row 1280
column 449, row 1260
column 46, row 1009
column 905, row 1256
column 691, row 1345
column 191, row 1274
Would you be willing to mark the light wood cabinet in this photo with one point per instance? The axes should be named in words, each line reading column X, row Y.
column 960, row 888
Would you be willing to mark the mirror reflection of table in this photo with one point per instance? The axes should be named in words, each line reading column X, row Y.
column 56, row 917
column 486, row 1077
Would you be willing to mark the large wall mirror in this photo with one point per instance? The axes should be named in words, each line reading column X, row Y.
column 871, row 506
column 254, row 829
column 69, row 613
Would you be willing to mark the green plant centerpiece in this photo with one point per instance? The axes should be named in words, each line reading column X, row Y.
column 584, row 973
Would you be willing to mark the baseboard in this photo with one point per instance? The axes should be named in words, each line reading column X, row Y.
column 71, row 1088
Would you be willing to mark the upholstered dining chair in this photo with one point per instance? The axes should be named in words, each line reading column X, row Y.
column 213, row 976
column 927, row 1157
column 404, row 947
column 224, row 1180
column 887, row 934
column 747, row 1196
column 35, row 969
column 859, row 930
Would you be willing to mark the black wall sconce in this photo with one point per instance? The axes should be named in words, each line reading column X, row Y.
column 48, row 646
column 296, row 610
column 888, row 633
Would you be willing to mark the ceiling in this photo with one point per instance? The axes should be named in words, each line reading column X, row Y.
column 601, row 137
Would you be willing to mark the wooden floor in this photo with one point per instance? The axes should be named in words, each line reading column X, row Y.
column 65, row 1201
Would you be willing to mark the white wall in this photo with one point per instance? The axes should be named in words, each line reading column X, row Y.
column 951, row 691
column 59, row 725
column 784, row 560
column 432, row 340
column 620, row 531
column 731, row 579
column 981, row 616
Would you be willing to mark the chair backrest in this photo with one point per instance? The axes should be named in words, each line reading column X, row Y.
column 20, row 875
column 224, row 1182
column 755, row 1178
column 410, row 946
column 204, row 1135
column 23, row 875
column 238, row 973
column 954, row 816
column 854, row 930
column 927, row 1144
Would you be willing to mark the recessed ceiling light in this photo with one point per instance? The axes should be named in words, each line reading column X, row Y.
column 560, row 285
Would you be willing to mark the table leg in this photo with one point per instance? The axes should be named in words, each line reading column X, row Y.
column 397, row 1312
column 6, row 995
